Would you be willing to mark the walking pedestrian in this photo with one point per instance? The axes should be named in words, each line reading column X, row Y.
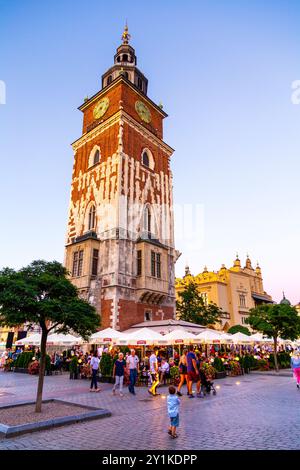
column 295, row 364
column 94, row 369
column 192, row 372
column 173, row 403
column 182, row 371
column 154, row 374
column 133, row 367
column 118, row 373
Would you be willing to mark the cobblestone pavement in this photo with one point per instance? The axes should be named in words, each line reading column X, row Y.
column 249, row 412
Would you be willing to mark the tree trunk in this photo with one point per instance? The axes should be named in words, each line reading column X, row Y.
column 39, row 396
column 275, row 354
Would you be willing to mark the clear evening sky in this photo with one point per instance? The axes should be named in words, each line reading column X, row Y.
column 223, row 71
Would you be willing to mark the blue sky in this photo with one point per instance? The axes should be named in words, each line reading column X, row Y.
column 222, row 69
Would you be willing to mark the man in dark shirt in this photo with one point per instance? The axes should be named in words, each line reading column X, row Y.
column 118, row 373
column 192, row 371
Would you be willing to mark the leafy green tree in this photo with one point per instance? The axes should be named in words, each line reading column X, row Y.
column 191, row 307
column 239, row 329
column 277, row 321
column 40, row 294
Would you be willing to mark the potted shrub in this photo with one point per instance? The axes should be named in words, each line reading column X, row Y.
column 174, row 374
column 106, row 367
column 219, row 367
column 74, row 368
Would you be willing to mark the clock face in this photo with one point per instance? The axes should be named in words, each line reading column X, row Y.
column 101, row 108
column 143, row 111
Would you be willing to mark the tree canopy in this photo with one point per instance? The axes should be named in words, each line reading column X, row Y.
column 191, row 307
column 41, row 294
column 275, row 320
column 239, row 329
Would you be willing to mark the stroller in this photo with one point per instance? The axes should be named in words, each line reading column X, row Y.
column 207, row 384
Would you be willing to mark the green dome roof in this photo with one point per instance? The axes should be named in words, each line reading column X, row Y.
column 285, row 301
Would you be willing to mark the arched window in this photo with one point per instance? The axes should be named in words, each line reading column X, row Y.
column 125, row 58
column 96, row 157
column 126, row 75
column 145, row 159
column 109, row 80
column 92, row 218
column 140, row 83
column 118, row 59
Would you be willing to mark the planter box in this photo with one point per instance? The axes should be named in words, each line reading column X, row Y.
column 87, row 413
column 21, row 370
column 220, row 375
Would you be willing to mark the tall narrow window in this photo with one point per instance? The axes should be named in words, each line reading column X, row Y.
column 80, row 263
column 139, row 263
column 92, row 218
column 96, row 157
column 77, row 263
column 147, row 221
column 158, row 265
column 109, row 80
column 140, row 83
column 242, row 300
column 153, row 264
column 145, row 159
column 95, row 262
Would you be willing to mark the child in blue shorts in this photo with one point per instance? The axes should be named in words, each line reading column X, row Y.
column 173, row 411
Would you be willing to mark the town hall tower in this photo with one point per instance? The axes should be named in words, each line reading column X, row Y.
column 120, row 238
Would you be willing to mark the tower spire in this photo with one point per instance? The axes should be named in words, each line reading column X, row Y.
column 126, row 36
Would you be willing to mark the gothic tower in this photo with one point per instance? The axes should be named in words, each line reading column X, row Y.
column 120, row 242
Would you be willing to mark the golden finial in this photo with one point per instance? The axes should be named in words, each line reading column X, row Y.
column 126, row 36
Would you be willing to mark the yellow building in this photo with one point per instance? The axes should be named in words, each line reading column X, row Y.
column 235, row 290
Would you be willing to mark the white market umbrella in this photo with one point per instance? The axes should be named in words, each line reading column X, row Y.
column 241, row 338
column 108, row 335
column 60, row 339
column 143, row 337
column 226, row 337
column 258, row 338
column 179, row 337
column 209, row 337
column 34, row 340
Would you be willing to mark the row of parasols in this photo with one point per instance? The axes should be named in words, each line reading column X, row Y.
column 147, row 337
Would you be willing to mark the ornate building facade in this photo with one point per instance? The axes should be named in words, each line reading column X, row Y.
column 235, row 290
column 120, row 243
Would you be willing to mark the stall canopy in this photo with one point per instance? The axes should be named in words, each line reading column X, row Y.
column 179, row 337
column 56, row 339
column 209, row 337
column 142, row 337
column 60, row 339
column 33, row 340
column 108, row 335
column 241, row 338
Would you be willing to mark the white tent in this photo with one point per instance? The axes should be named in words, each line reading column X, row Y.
column 179, row 337
column 259, row 338
column 241, row 338
column 60, row 339
column 209, row 337
column 226, row 337
column 33, row 340
column 56, row 339
column 106, row 336
column 143, row 337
